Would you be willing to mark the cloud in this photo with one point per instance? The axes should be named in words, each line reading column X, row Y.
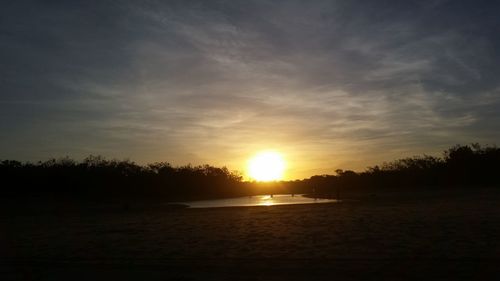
column 332, row 83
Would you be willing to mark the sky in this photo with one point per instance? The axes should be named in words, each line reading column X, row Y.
column 329, row 84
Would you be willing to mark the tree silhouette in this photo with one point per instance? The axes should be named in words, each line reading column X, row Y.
column 97, row 178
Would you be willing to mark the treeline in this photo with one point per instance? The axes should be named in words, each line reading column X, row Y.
column 100, row 179
column 460, row 166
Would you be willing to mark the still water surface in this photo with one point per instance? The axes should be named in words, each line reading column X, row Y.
column 258, row 200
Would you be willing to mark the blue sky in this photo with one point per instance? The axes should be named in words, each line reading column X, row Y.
column 330, row 84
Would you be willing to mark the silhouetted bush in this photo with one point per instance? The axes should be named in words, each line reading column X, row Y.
column 97, row 178
column 460, row 166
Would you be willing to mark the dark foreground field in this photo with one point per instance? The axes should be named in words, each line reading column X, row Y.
column 433, row 235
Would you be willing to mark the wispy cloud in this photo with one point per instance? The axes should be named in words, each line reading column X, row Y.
column 342, row 84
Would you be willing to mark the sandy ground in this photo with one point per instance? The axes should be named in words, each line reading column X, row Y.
column 435, row 236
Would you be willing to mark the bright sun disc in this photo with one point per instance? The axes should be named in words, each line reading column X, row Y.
column 266, row 166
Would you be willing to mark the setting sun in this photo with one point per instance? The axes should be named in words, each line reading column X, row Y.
column 266, row 166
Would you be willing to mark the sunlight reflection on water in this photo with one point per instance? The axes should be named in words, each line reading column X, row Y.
column 258, row 200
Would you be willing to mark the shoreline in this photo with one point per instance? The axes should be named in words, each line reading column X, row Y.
column 411, row 238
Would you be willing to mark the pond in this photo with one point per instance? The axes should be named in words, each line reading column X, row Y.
column 258, row 200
